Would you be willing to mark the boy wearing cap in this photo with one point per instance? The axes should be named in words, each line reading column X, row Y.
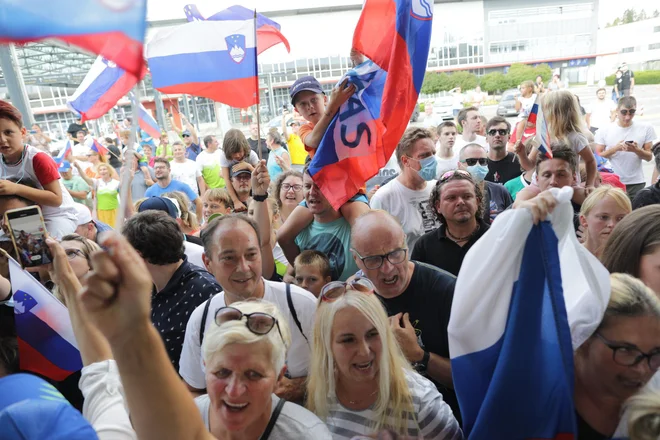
column 75, row 185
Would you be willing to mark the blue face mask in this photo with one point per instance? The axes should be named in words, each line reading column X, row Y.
column 429, row 168
column 478, row 172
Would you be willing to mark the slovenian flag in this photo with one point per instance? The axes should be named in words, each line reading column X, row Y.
column 113, row 29
column 46, row 342
column 63, row 154
column 104, row 85
column 268, row 31
column 224, row 56
column 395, row 35
column 537, row 125
column 514, row 327
column 96, row 146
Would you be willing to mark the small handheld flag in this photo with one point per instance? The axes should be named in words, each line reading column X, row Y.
column 538, row 127
column 63, row 154
column 99, row 148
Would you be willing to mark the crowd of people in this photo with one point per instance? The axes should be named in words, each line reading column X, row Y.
column 234, row 301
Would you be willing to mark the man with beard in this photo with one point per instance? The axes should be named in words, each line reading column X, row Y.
column 241, row 180
column 165, row 184
column 502, row 166
column 457, row 201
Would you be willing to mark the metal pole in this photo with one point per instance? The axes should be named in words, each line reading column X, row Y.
column 125, row 178
column 160, row 109
column 196, row 113
column 273, row 110
column 14, row 81
column 256, row 89
column 186, row 106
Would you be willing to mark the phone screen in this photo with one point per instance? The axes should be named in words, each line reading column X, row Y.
column 28, row 232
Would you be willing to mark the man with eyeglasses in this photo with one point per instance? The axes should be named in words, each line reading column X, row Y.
column 417, row 296
column 626, row 143
column 407, row 196
column 457, row 201
column 502, row 165
column 472, row 158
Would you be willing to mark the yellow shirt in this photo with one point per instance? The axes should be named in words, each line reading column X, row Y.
column 296, row 149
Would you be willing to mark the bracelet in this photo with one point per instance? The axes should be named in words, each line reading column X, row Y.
column 258, row 198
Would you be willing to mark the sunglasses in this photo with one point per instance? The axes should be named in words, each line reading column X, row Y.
column 473, row 162
column 185, row 135
column 625, row 112
column 258, row 323
column 449, row 174
column 500, row 131
column 336, row 289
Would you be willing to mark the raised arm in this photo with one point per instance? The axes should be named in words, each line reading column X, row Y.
column 260, row 183
column 339, row 95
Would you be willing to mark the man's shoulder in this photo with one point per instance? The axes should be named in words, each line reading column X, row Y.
column 276, row 290
column 495, row 188
column 386, row 191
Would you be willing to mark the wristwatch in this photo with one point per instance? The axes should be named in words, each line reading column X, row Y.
column 258, row 198
column 422, row 365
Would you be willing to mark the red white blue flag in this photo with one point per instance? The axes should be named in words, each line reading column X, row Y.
column 395, row 35
column 99, row 148
column 536, row 125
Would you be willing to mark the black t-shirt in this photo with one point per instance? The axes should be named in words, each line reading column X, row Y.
column 113, row 156
column 496, row 200
column 648, row 196
column 626, row 80
column 75, row 128
column 428, row 300
column 586, row 432
column 436, row 249
column 501, row 171
column 264, row 149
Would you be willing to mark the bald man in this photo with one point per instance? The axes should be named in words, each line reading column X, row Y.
column 417, row 296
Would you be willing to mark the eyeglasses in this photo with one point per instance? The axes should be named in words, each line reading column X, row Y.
column 185, row 135
column 500, row 131
column 625, row 112
column 629, row 355
column 72, row 253
column 258, row 323
column 450, row 173
column 397, row 256
column 336, row 289
column 473, row 162
column 288, row 186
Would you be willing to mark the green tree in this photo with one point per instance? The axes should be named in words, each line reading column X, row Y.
column 494, row 82
column 518, row 73
column 656, row 14
column 464, row 80
column 545, row 71
column 445, row 82
column 431, row 84
column 629, row 16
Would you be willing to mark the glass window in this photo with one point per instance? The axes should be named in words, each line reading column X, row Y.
column 301, row 66
column 656, row 29
column 654, row 46
column 325, row 64
column 335, row 62
column 462, row 50
column 627, row 49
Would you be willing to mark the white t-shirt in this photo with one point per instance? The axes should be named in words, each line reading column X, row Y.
column 626, row 164
column 410, row 207
column 191, row 366
column 433, row 415
column 194, row 253
column 601, row 112
column 294, row 421
column 526, row 105
column 209, row 166
column 186, row 172
column 460, row 143
column 445, row 165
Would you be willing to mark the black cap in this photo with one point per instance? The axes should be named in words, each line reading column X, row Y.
column 305, row 83
column 241, row 170
column 159, row 204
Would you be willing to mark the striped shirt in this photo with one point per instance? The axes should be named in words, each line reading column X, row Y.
column 435, row 419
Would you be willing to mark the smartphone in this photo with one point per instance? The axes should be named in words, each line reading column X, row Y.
column 27, row 230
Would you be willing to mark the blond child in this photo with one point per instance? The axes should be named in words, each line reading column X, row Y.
column 312, row 271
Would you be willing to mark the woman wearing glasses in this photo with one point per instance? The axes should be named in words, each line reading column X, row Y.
column 244, row 354
column 360, row 381
column 619, row 358
column 288, row 187
column 626, row 143
column 78, row 250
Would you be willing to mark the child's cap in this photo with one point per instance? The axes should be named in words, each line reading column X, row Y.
column 305, row 83
column 64, row 166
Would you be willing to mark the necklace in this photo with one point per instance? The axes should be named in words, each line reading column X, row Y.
column 466, row 238
column 18, row 162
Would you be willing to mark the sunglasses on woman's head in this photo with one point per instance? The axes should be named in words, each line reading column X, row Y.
column 258, row 323
column 336, row 289
column 450, row 173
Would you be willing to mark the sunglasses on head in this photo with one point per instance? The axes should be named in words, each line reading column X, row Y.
column 336, row 289
column 500, row 131
column 450, row 173
column 473, row 162
column 625, row 112
column 258, row 323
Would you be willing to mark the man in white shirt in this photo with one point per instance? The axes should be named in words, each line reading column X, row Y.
column 407, row 196
column 470, row 120
column 232, row 254
column 447, row 156
column 625, row 143
column 209, row 164
column 601, row 112
column 185, row 170
column 431, row 119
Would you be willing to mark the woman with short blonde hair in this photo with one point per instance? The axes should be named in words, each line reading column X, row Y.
column 359, row 381
column 601, row 211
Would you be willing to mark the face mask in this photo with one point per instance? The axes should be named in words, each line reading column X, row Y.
column 478, row 172
column 429, row 168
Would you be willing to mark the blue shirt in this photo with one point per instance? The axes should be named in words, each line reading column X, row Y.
column 193, row 151
column 156, row 191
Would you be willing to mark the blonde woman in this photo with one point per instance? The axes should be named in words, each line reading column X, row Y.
column 78, row 251
column 644, row 416
column 359, row 380
column 601, row 211
column 189, row 222
column 244, row 353
column 106, row 192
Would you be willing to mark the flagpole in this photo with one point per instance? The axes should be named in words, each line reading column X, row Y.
column 125, row 178
column 256, row 81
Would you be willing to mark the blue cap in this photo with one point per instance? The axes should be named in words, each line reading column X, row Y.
column 308, row 83
column 64, row 166
column 159, row 204
column 31, row 408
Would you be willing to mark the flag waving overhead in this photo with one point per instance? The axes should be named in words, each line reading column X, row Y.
column 63, row 154
column 103, row 86
column 111, row 28
column 513, row 328
column 268, row 31
column 46, row 342
column 213, row 59
column 395, row 35
column 147, row 122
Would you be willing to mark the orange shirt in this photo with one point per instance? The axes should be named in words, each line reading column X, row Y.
column 303, row 131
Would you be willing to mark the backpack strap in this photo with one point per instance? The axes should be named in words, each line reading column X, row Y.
column 273, row 420
column 292, row 309
column 204, row 315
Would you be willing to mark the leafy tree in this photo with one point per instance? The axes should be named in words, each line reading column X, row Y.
column 445, row 82
column 430, row 84
column 494, row 82
column 464, row 80
column 656, row 14
column 544, row 70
